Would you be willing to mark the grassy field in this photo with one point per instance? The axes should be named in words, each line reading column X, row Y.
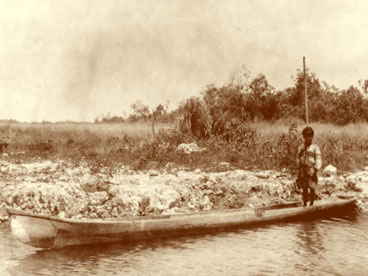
column 271, row 146
column 96, row 143
column 345, row 147
column 42, row 132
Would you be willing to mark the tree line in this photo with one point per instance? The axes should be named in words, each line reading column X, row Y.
column 217, row 108
column 141, row 112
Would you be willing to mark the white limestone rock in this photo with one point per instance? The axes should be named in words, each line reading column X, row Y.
column 329, row 171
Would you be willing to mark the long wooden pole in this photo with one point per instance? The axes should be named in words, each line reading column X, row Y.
column 306, row 92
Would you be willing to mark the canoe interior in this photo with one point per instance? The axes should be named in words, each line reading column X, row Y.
column 49, row 232
column 155, row 217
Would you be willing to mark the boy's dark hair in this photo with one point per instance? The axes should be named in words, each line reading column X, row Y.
column 308, row 132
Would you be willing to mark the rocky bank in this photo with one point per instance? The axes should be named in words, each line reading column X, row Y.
column 64, row 190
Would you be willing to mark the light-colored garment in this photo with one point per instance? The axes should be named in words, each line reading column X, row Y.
column 309, row 157
column 309, row 162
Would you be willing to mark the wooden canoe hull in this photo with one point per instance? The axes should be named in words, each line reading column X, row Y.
column 53, row 232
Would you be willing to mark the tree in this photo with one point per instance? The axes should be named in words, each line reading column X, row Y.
column 159, row 111
column 294, row 98
column 195, row 118
column 223, row 104
column 349, row 107
column 140, row 111
column 260, row 102
column 363, row 84
column 240, row 79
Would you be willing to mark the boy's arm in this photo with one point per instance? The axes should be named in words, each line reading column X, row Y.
column 298, row 160
column 318, row 157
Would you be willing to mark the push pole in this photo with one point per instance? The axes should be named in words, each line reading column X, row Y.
column 306, row 92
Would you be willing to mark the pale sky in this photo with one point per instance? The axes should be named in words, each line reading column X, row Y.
column 76, row 60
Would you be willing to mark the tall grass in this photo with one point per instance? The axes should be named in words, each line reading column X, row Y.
column 258, row 145
column 43, row 132
column 345, row 147
column 110, row 144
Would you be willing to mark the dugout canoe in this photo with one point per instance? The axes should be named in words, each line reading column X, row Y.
column 54, row 232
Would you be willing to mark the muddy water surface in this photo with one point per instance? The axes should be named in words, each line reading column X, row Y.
column 334, row 246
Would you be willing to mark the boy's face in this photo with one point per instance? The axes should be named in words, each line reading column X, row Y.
column 308, row 140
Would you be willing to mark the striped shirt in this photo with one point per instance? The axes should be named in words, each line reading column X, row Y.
column 310, row 156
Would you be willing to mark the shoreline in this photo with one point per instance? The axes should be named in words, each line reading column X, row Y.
column 68, row 191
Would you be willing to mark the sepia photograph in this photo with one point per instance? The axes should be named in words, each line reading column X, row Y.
column 183, row 137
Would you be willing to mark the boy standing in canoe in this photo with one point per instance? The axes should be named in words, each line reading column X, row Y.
column 309, row 161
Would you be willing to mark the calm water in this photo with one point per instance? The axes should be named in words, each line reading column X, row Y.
column 320, row 247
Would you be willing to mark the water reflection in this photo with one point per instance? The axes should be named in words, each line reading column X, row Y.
column 315, row 240
column 299, row 248
column 94, row 258
column 310, row 238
